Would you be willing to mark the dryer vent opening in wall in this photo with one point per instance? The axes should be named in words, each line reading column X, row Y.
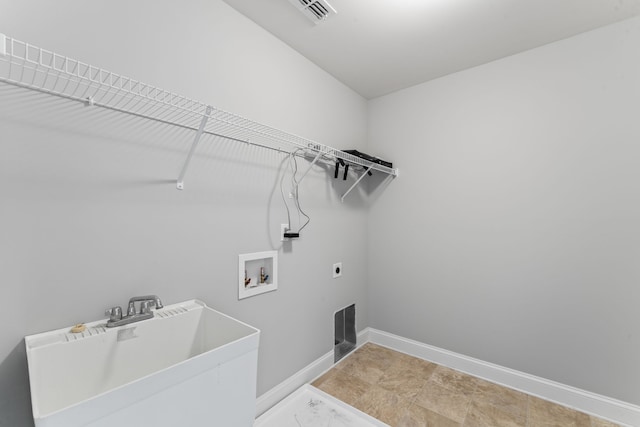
column 316, row 10
column 345, row 332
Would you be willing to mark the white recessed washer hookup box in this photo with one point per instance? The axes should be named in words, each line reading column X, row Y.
column 257, row 273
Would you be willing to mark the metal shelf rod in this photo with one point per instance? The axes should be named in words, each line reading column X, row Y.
column 309, row 168
column 355, row 183
column 194, row 144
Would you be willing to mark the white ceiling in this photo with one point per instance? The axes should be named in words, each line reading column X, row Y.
column 380, row 46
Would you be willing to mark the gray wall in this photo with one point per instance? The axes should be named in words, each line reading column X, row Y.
column 512, row 234
column 89, row 211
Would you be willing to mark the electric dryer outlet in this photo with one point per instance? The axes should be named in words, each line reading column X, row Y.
column 337, row 270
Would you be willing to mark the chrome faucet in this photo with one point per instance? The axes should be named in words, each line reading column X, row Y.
column 146, row 302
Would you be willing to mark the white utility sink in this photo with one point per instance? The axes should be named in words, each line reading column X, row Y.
column 188, row 365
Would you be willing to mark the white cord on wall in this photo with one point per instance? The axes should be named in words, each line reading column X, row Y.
column 293, row 165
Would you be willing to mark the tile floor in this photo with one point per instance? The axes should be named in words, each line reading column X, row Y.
column 405, row 391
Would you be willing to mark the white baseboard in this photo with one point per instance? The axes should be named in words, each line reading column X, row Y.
column 300, row 378
column 581, row 400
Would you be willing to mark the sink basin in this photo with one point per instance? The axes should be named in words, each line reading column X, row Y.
column 188, row 365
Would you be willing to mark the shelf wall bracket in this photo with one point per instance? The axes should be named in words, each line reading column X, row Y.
column 356, row 183
column 309, row 168
column 194, row 144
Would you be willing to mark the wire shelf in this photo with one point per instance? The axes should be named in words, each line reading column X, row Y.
column 28, row 66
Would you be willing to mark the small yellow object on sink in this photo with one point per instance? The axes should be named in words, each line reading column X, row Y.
column 80, row 327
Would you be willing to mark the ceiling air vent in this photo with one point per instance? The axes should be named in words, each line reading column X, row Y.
column 316, row 10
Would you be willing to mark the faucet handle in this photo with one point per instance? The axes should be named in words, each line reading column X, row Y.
column 145, row 307
column 114, row 313
column 131, row 309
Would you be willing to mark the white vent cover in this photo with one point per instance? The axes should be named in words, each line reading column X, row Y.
column 316, row 10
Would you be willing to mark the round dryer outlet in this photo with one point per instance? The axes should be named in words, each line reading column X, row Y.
column 337, row 270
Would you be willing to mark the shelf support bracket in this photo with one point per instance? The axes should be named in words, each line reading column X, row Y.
column 309, row 168
column 356, row 183
column 194, row 144
column 3, row 44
